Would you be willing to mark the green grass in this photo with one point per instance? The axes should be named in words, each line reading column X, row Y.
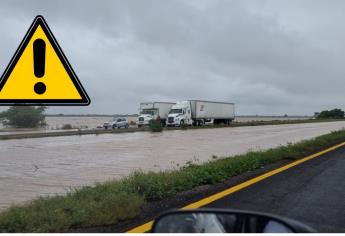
column 102, row 204
column 113, row 201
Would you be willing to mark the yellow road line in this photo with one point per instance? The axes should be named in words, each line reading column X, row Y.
column 147, row 226
column 142, row 228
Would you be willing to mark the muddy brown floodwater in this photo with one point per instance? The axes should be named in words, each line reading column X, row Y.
column 43, row 166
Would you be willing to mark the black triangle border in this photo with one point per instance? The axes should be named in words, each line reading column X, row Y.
column 39, row 21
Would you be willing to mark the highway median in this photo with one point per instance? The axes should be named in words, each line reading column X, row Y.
column 57, row 133
column 118, row 201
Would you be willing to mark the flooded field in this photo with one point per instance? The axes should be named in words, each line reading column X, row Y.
column 92, row 122
column 41, row 166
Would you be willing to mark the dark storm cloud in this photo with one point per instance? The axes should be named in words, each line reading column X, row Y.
column 270, row 57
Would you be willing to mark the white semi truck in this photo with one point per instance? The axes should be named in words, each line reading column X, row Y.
column 153, row 111
column 197, row 112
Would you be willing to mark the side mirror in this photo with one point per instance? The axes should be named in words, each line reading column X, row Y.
column 223, row 221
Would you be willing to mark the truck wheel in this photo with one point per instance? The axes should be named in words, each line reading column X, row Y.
column 126, row 126
column 182, row 122
column 139, row 126
column 114, row 126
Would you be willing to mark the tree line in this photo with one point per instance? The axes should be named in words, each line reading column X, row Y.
column 330, row 114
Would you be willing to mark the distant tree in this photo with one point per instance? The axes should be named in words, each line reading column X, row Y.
column 67, row 126
column 24, row 116
column 334, row 114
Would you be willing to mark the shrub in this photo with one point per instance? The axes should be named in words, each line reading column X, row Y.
column 184, row 126
column 67, row 126
column 155, row 126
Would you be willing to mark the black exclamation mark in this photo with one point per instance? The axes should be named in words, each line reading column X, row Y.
column 39, row 48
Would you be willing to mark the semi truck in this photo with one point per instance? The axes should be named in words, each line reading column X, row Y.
column 198, row 112
column 153, row 111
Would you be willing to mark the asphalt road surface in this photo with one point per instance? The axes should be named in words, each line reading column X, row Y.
column 312, row 193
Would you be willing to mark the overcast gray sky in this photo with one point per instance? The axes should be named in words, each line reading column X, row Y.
column 270, row 57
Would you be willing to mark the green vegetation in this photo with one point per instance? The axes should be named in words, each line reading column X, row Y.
column 184, row 126
column 24, row 116
column 117, row 200
column 102, row 204
column 331, row 114
column 67, row 126
column 155, row 126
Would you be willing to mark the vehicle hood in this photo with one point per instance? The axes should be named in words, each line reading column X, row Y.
column 146, row 116
column 174, row 115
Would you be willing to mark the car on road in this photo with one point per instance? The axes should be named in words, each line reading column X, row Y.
column 116, row 123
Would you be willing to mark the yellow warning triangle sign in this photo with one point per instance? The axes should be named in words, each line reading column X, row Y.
column 39, row 73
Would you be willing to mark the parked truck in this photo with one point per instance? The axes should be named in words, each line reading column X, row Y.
column 153, row 111
column 197, row 112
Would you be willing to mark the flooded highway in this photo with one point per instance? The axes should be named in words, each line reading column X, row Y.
column 42, row 166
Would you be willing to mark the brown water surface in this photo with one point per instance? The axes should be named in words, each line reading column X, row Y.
column 41, row 166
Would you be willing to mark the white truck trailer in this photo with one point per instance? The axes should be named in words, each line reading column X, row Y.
column 153, row 111
column 197, row 112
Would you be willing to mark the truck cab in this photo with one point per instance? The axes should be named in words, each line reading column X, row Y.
column 199, row 112
column 153, row 111
column 146, row 115
column 180, row 114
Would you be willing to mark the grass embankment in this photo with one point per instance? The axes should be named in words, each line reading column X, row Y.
column 113, row 201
